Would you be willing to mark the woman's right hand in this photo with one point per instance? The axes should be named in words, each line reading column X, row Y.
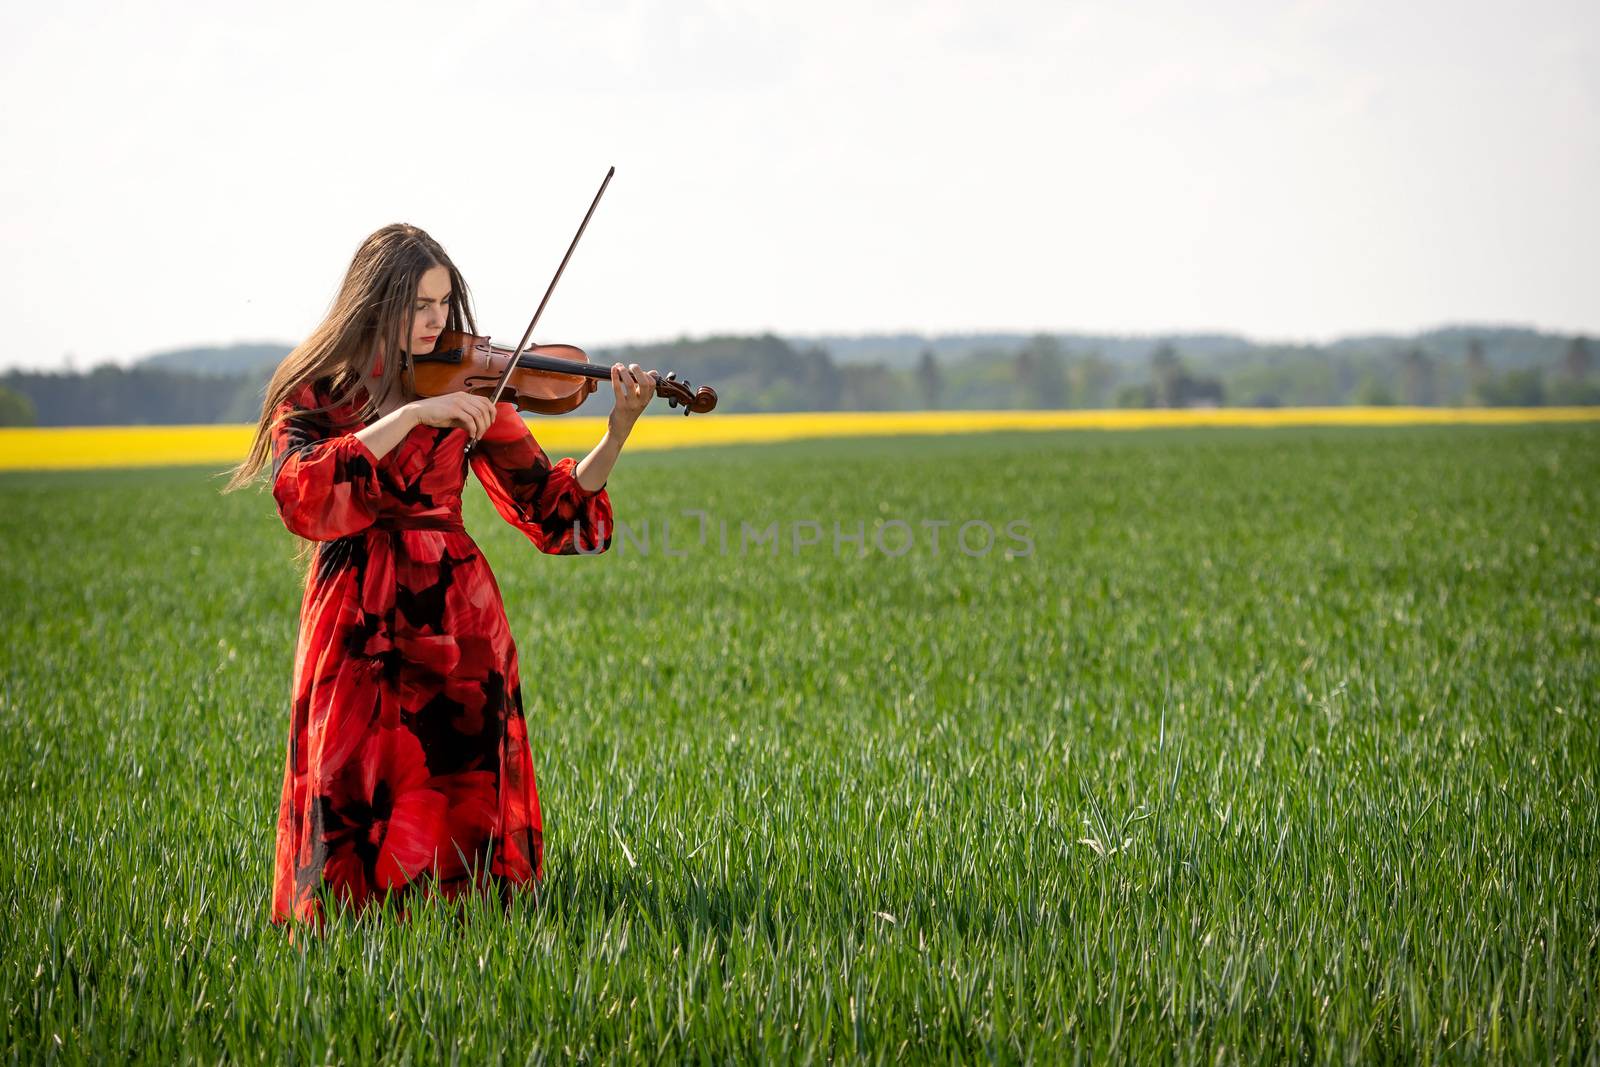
column 469, row 411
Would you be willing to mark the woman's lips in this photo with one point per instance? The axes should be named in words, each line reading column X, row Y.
column 431, row 337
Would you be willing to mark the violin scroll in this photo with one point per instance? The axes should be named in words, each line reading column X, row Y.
column 677, row 393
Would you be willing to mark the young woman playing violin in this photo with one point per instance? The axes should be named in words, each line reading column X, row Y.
column 408, row 768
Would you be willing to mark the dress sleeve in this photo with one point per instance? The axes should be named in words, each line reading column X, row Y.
column 544, row 501
column 326, row 486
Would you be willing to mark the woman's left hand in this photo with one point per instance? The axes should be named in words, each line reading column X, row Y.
column 635, row 388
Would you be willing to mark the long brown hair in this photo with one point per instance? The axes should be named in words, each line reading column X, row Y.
column 375, row 308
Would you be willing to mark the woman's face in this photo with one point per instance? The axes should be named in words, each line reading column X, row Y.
column 431, row 309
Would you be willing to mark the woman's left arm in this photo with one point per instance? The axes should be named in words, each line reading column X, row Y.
column 562, row 507
column 634, row 390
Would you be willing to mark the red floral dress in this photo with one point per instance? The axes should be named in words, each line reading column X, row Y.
column 408, row 767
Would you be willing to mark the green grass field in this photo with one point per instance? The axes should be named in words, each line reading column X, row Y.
column 1281, row 745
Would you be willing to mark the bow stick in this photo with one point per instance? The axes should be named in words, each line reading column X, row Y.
column 511, row 364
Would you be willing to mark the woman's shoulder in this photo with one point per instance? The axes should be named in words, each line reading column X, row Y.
column 305, row 395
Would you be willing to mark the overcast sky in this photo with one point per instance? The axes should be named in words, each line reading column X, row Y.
column 189, row 174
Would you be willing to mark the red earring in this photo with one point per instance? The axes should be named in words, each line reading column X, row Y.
column 377, row 365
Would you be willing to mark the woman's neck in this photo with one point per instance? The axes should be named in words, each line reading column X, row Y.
column 390, row 403
column 386, row 404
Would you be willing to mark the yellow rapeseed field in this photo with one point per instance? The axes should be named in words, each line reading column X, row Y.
column 58, row 448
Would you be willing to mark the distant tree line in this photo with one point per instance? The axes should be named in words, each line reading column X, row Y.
column 113, row 395
column 1461, row 366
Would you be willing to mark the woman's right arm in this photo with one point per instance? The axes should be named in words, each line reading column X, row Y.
column 473, row 413
column 327, row 486
column 381, row 437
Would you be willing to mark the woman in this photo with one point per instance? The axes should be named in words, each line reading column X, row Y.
column 408, row 767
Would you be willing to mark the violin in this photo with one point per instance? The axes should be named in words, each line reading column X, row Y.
column 547, row 379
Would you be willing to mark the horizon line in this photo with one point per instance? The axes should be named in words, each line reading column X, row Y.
column 885, row 334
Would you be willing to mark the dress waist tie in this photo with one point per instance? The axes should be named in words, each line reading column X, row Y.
column 418, row 522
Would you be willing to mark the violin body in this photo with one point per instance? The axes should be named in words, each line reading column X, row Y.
column 461, row 362
column 548, row 379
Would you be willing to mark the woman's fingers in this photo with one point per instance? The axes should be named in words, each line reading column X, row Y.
column 473, row 413
column 625, row 379
column 467, row 411
column 633, row 387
